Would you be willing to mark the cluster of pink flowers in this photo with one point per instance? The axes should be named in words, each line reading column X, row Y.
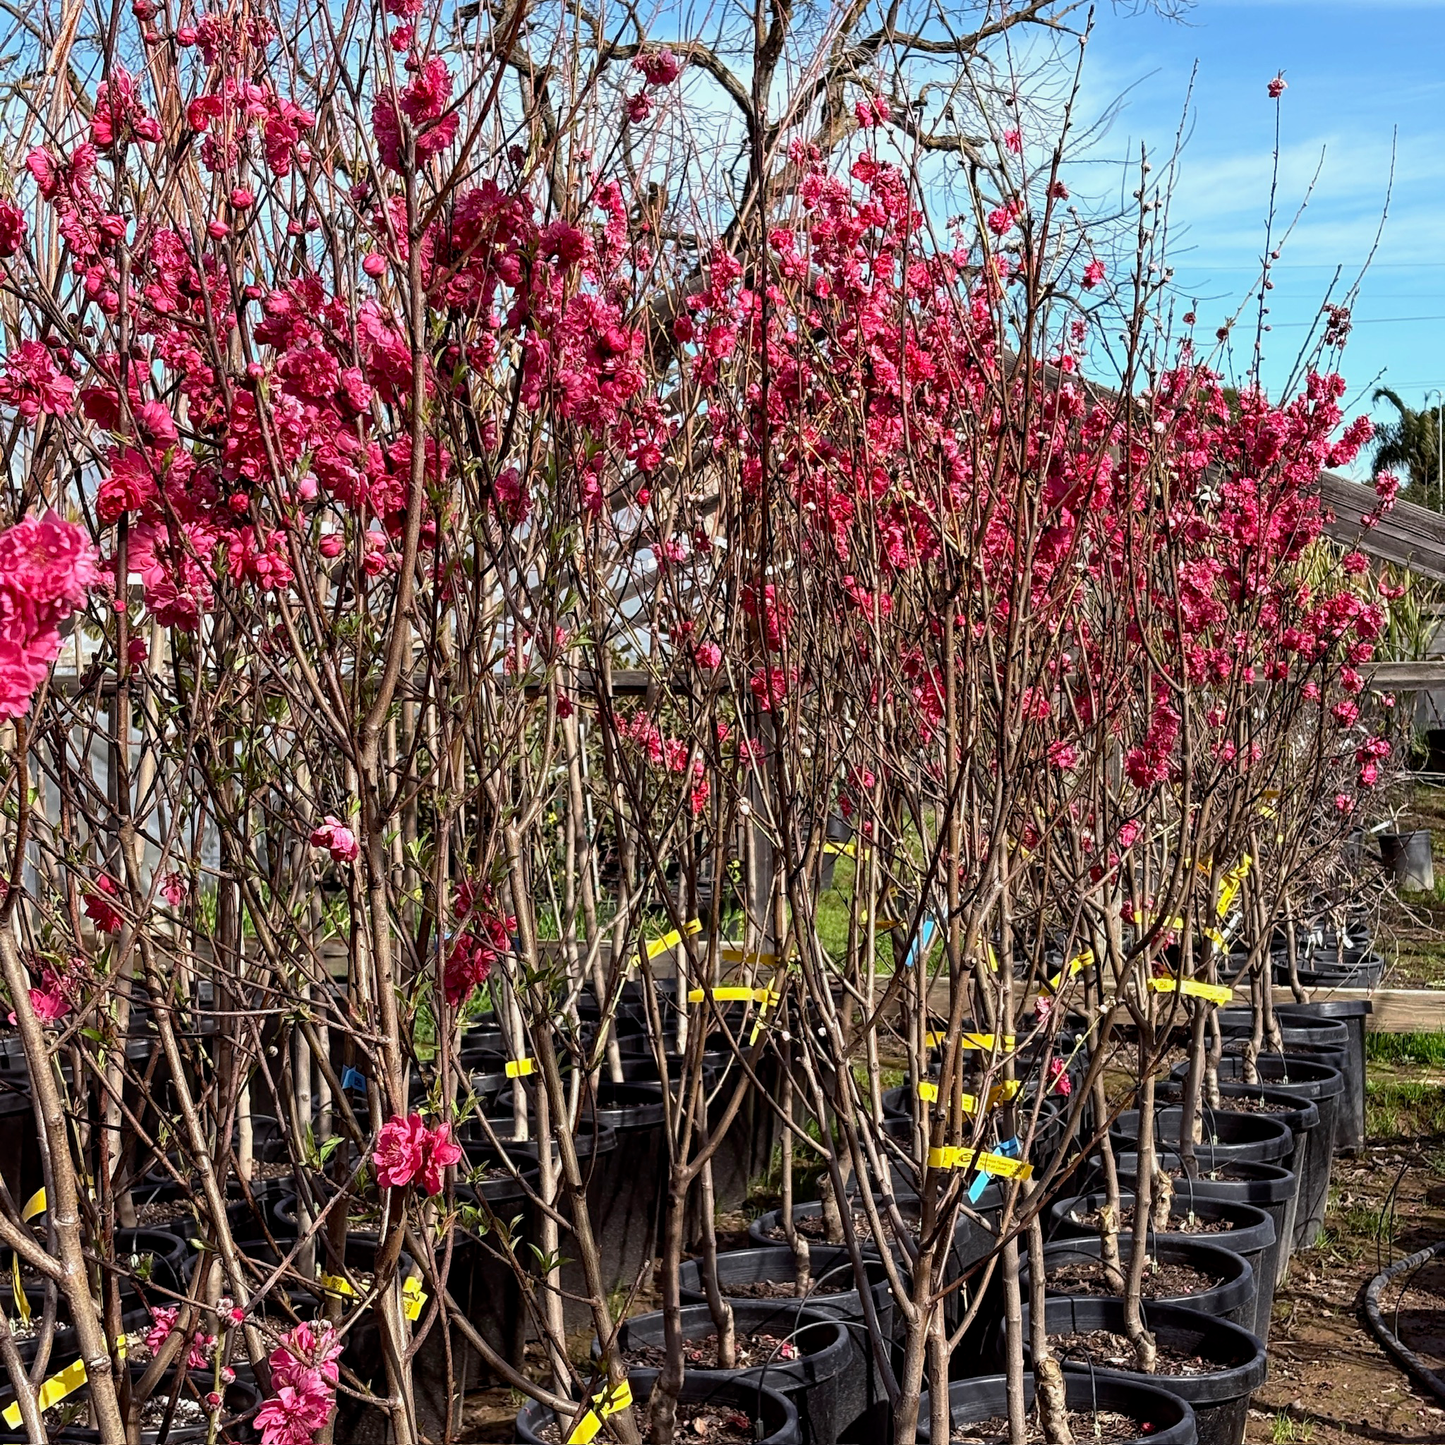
column 47, row 568
column 408, row 1152
column 56, row 995
column 98, row 907
column 484, row 935
column 337, row 839
column 304, row 1376
column 163, row 1323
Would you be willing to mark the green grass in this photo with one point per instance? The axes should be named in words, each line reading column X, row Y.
column 1400, row 1109
column 1416, row 1048
column 1284, row 1429
column 1358, row 1219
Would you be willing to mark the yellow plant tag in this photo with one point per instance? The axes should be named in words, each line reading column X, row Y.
column 1229, row 888
column 54, row 1390
column 1073, row 967
column 608, row 1402
column 413, row 1298
column 928, row 1091
column 984, row 1042
column 935, row 1040
column 334, row 1284
column 33, row 1206
column 997, row 1164
column 672, row 939
column 996, row 1095
column 520, row 1068
column 736, row 953
column 1215, row 993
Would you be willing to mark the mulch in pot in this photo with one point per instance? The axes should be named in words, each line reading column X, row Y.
column 815, row 1226
column 1099, row 1426
column 1161, row 1280
column 1187, row 1224
column 720, row 1424
column 701, row 1353
column 1107, row 1350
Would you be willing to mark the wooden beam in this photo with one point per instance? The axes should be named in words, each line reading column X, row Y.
column 1407, row 675
column 1409, row 536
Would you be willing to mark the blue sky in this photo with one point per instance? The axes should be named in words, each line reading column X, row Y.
column 1363, row 77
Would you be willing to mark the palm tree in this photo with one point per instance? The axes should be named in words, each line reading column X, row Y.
column 1409, row 446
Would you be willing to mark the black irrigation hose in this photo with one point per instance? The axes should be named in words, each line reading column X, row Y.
column 1407, row 1358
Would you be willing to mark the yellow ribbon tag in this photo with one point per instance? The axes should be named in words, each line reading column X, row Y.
column 734, row 993
column 55, row 1389
column 985, row 1042
column 1216, row 993
column 671, row 940
column 736, row 953
column 1074, row 966
column 520, row 1068
column 413, row 1297
column 608, row 1402
column 22, row 1300
column 986, row 1163
column 33, row 1206
column 1229, row 888
column 928, row 1091
column 996, row 1095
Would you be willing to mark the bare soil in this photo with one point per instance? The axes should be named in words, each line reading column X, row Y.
column 701, row 1353
column 1105, row 1348
column 1161, row 1281
column 1178, row 1224
column 695, row 1422
column 1107, row 1426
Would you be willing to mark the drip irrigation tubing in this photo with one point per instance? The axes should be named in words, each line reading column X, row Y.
column 1413, row 1365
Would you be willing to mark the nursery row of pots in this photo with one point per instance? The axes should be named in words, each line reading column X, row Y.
column 1257, row 1193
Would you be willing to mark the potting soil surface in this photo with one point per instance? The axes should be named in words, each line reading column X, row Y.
column 1161, row 1281
column 694, row 1422
column 814, row 1226
column 1098, row 1425
column 773, row 1289
column 701, row 1353
column 1178, row 1224
column 1105, row 1348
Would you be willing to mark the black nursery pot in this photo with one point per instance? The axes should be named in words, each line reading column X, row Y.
column 775, row 1421
column 20, row 1164
column 484, row 1285
column 1351, row 1015
column 1324, row 1087
column 239, row 1401
column 1251, row 1235
column 632, row 1180
column 834, row 1291
column 811, row 1380
column 1311, row 1156
column 1220, row 1398
column 1169, row 1419
column 1231, row 1297
column 1258, row 1137
column 596, row 1147
column 1269, row 1187
column 156, row 1257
